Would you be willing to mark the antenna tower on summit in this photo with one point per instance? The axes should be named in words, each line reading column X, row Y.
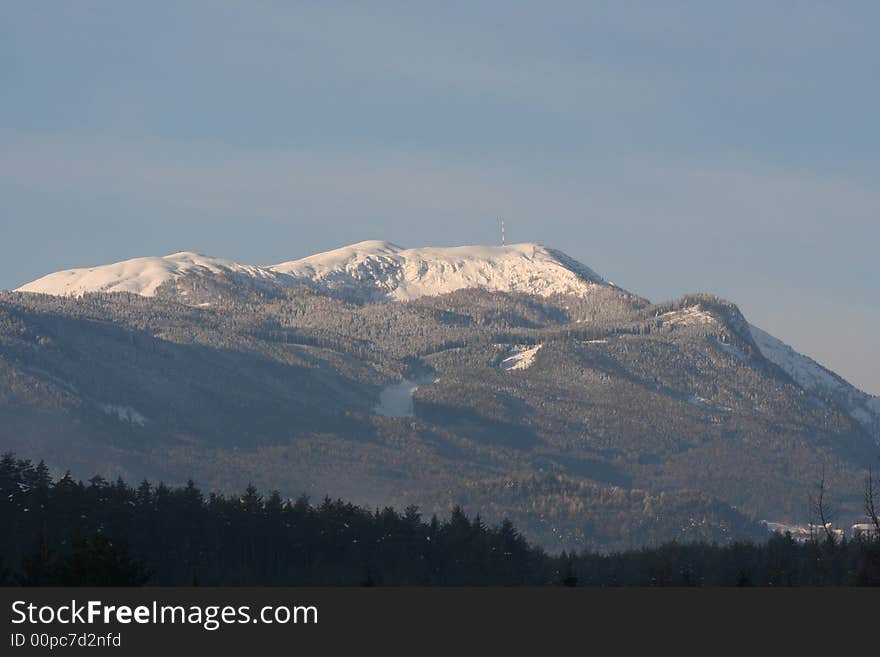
column 503, row 238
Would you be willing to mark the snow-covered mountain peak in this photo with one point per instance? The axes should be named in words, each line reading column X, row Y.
column 379, row 270
column 359, row 249
column 372, row 271
column 190, row 256
column 141, row 276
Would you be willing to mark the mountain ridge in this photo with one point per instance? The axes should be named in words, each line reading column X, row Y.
column 371, row 271
column 606, row 420
column 378, row 270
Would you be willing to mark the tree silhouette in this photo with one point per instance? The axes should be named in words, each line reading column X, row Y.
column 93, row 562
column 70, row 533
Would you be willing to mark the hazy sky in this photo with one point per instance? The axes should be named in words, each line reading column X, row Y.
column 728, row 147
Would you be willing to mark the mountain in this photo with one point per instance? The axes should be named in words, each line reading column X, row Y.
column 381, row 270
column 511, row 380
column 370, row 270
column 820, row 381
column 143, row 276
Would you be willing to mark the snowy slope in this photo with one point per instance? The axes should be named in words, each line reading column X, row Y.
column 141, row 275
column 369, row 270
column 381, row 270
column 809, row 375
column 520, row 358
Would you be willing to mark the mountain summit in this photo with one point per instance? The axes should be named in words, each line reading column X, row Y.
column 370, row 271
column 380, row 270
column 143, row 276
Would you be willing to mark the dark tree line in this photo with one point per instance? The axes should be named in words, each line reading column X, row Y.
column 66, row 532
column 56, row 531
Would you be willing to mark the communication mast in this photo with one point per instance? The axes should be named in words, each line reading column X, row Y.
column 503, row 239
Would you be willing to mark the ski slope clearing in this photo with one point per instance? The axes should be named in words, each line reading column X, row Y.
column 396, row 400
column 520, row 358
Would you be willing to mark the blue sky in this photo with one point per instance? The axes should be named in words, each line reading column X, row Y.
column 673, row 147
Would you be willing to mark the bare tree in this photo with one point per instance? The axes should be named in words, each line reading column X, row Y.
column 820, row 509
column 870, row 506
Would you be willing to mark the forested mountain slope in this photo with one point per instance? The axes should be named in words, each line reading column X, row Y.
column 589, row 415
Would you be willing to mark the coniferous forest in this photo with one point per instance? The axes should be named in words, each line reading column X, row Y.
column 70, row 533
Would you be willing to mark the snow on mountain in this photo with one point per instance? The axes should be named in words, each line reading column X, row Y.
column 124, row 414
column 688, row 316
column 396, row 400
column 809, row 375
column 520, row 358
column 372, row 271
column 381, row 270
column 377, row 271
column 141, row 276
